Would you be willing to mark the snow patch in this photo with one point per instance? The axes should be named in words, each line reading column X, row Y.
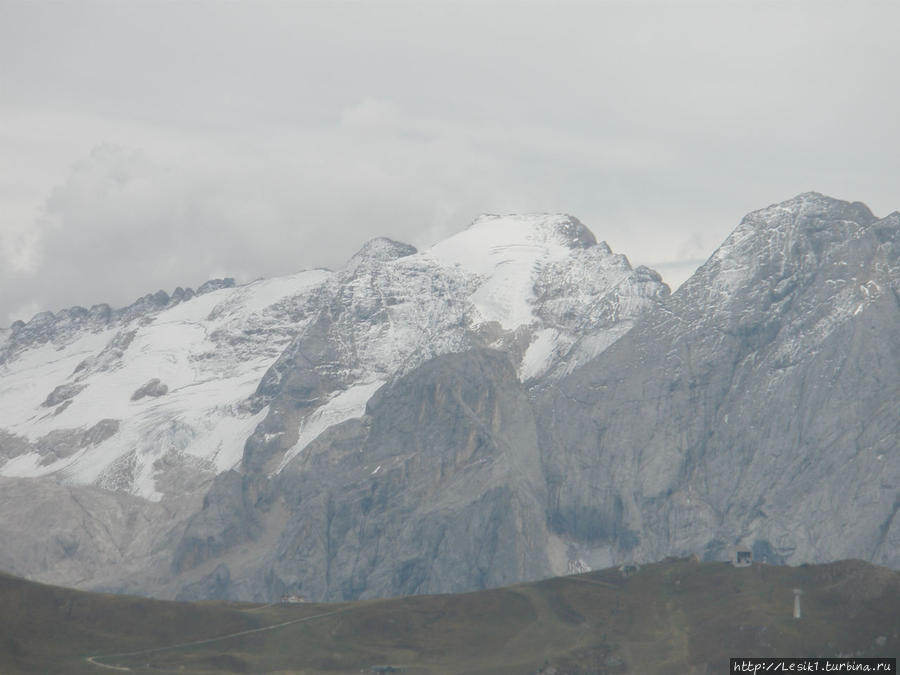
column 26, row 381
column 211, row 351
column 346, row 405
column 507, row 253
column 540, row 354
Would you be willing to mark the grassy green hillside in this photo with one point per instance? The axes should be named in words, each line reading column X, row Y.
column 673, row 617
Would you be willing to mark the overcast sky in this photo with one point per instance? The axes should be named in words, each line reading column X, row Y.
column 147, row 145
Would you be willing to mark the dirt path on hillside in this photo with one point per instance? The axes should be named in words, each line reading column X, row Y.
column 95, row 660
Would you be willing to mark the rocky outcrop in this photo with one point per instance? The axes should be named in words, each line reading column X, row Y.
column 57, row 444
column 62, row 393
column 215, row 285
column 153, row 388
column 228, row 517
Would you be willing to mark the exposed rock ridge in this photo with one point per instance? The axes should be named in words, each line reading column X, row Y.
column 58, row 328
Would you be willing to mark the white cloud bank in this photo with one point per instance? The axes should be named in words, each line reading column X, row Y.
column 145, row 146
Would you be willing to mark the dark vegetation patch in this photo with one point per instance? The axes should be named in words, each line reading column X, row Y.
column 671, row 617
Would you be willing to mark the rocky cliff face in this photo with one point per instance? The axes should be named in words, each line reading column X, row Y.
column 436, row 488
column 758, row 408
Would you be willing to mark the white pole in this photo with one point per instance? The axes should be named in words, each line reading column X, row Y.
column 797, row 593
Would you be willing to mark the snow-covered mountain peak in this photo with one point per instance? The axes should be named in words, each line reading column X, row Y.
column 382, row 249
column 559, row 227
column 510, row 255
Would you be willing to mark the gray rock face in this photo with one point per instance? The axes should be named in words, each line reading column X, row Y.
column 295, row 385
column 58, row 444
column 153, row 388
column 758, row 408
column 85, row 537
column 228, row 517
column 62, row 393
column 437, row 488
column 214, row 285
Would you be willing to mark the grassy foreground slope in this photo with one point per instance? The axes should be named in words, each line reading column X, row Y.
column 673, row 617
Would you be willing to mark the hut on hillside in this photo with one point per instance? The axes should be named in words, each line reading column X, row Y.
column 743, row 557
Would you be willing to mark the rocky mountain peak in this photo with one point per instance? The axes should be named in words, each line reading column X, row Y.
column 779, row 248
column 383, row 249
column 810, row 218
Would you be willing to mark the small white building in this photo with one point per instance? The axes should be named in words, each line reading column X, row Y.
column 743, row 557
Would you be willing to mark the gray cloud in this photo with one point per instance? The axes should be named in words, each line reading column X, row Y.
column 145, row 146
column 126, row 221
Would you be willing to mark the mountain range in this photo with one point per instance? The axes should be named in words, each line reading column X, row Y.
column 512, row 403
